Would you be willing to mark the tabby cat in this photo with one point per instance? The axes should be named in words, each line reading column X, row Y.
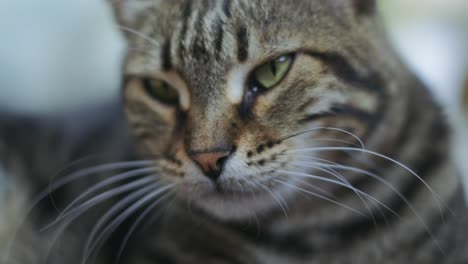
column 266, row 131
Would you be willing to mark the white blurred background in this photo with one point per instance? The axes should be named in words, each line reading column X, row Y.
column 56, row 55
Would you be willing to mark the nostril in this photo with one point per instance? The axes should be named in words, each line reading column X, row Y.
column 211, row 163
column 220, row 163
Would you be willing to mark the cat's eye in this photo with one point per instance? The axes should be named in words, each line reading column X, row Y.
column 161, row 90
column 273, row 72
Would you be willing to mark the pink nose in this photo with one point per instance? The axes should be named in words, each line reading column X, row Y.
column 211, row 163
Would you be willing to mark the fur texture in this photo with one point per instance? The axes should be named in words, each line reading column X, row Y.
column 345, row 160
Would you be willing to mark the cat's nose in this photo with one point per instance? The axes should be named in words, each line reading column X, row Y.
column 211, row 163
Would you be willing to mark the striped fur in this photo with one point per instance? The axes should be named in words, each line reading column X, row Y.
column 345, row 76
column 347, row 160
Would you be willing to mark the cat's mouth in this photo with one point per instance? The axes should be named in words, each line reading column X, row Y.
column 223, row 190
column 231, row 199
column 230, row 190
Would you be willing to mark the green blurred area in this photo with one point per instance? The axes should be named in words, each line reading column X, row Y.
column 408, row 10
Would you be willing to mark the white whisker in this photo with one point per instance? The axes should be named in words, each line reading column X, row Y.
column 319, row 149
column 53, row 186
column 391, row 187
column 301, row 174
column 108, row 182
column 320, row 196
column 137, row 223
column 140, row 35
column 361, row 143
column 119, row 206
column 76, row 212
column 344, row 180
column 278, row 200
column 91, row 246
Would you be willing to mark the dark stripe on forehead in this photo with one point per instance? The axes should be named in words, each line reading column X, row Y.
column 198, row 48
column 187, row 9
column 166, row 55
column 227, row 8
column 219, row 32
column 206, row 5
column 186, row 13
column 242, row 44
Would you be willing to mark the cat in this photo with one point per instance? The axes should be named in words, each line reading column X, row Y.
column 256, row 132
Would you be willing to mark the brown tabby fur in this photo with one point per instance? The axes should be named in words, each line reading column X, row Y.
column 298, row 186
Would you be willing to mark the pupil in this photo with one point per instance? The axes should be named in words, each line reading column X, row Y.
column 273, row 68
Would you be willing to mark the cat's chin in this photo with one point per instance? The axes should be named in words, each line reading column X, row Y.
column 236, row 207
column 232, row 204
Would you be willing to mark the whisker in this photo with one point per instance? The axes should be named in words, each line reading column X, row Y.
column 69, row 220
column 143, row 51
column 360, row 194
column 137, row 223
column 140, row 35
column 76, row 212
column 108, row 182
column 278, row 200
column 387, row 184
column 319, row 160
column 335, row 140
column 120, row 205
column 91, row 246
column 253, row 184
column 87, row 172
column 436, row 196
column 391, row 187
column 320, row 196
column 242, row 176
column 361, row 143
column 319, row 190
column 301, row 174
column 53, row 186
column 373, row 176
column 344, row 180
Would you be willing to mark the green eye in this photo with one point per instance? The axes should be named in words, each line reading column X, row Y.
column 273, row 72
column 161, row 91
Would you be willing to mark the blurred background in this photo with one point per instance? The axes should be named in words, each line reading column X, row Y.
column 56, row 55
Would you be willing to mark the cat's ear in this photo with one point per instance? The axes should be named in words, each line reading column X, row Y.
column 127, row 11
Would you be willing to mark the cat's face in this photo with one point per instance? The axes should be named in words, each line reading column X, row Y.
column 219, row 92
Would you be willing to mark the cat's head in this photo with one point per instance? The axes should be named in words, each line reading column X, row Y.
column 230, row 95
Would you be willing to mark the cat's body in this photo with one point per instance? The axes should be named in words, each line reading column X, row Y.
column 31, row 167
column 267, row 169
